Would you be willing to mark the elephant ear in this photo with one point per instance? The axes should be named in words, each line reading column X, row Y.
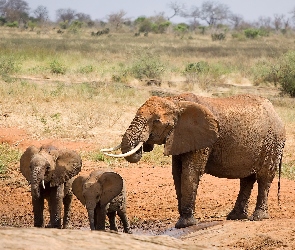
column 195, row 129
column 112, row 185
column 77, row 188
column 68, row 165
column 25, row 161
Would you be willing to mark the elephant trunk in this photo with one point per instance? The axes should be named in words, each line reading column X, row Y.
column 37, row 179
column 91, row 218
column 90, row 206
column 135, row 134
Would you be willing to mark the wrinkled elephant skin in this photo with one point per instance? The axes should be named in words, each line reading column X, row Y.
column 239, row 137
column 50, row 171
column 103, row 193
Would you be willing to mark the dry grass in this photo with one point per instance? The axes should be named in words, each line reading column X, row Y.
column 84, row 103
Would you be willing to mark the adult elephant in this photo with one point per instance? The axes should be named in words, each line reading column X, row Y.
column 236, row 137
column 49, row 171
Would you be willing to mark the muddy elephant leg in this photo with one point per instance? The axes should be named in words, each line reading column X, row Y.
column 99, row 217
column 67, row 201
column 261, row 209
column 56, row 198
column 240, row 210
column 193, row 165
column 38, row 208
column 124, row 219
column 176, row 173
column 112, row 220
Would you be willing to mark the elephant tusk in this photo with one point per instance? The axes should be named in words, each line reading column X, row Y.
column 110, row 149
column 43, row 184
column 131, row 152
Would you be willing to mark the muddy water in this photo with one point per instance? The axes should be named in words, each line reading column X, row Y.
column 174, row 232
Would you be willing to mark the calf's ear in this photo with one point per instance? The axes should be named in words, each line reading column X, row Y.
column 112, row 185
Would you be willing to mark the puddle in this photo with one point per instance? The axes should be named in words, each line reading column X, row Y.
column 177, row 233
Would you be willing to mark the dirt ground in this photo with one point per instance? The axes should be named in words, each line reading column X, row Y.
column 152, row 210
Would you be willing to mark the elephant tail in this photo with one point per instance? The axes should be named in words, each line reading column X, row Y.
column 279, row 182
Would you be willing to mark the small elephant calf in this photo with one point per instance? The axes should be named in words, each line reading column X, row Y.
column 49, row 170
column 103, row 193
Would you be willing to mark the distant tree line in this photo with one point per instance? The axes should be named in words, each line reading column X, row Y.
column 209, row 15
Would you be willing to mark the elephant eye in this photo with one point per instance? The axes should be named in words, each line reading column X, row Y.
column 157, row 121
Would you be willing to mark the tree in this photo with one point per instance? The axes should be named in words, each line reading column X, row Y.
column 14, row 10
column 214, row 13
column 41, row 13
column 292, row 12
column 194, row 14
column 236, row 20
column 65, row 15
column 117, row 19
column 177, row 9
column 82, row 17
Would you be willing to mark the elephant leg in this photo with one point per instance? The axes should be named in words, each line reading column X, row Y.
column 112, row 220
column 99, row 217
column 124, row 219
column 261, row 209
column 240, row 210
column 38, row 208
column 176, row 173
column 56, row 198
column 193, row 165
column 67, row 201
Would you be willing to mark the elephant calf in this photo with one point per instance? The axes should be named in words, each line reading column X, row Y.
column 103, row 193
column 49, row 171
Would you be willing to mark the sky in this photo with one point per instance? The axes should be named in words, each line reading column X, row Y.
column 250, row 10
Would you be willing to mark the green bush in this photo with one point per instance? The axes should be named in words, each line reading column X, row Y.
column 181, row 28
column 285, row 73
column 75, row 26
column 57, row 68
column 12, row 24
column 199, row 67
column 282, row 73
column 8, row 65
column 254, row 33
column 144, row 25
column 147, row 66
column 251, row 33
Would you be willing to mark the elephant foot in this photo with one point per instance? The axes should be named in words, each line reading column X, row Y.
column 185, row 221
column 237, row 215
column 259, row 214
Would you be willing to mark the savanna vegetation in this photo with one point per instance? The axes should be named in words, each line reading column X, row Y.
column 79, row 79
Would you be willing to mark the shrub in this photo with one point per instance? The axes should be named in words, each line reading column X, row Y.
column 101, row 32
column 199, row 67
column 218, row 36
column 282, row 72
column 8, row 65
column 193, row 71
column 75, row 27
column 147, row 66
column 57, row 68
column 285, row 73
column 251, row 33
column 12, row 24
column 144, row 25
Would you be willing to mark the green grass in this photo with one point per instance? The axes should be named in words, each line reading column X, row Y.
column 288, row 170
column 8, row 156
